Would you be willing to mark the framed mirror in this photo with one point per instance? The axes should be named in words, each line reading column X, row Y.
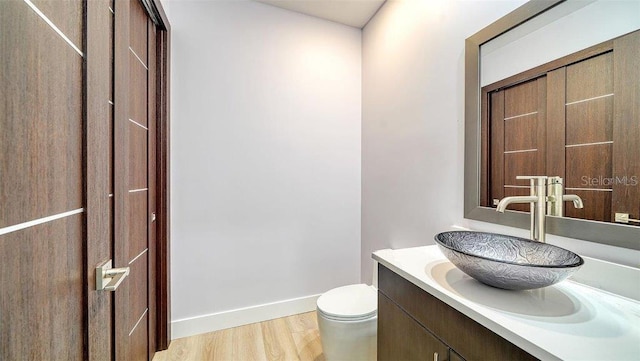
column 527, row 55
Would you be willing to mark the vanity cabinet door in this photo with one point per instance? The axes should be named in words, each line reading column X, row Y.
column 468, row 338
column 400, row 337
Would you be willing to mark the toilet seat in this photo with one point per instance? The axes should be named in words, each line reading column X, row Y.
column 349, row 303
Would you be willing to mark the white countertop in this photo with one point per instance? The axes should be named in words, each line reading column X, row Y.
column 566, row 321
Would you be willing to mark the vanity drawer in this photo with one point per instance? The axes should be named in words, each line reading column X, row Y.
column 401, row 338
column 463, row 335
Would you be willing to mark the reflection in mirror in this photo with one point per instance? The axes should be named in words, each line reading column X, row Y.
column 568, row 119
column 523, row 63
column 567, row 28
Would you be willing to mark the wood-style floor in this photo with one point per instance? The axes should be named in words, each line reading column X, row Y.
column 290, row 338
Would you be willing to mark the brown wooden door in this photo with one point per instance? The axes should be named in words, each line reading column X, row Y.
column 63, row 201
column 134, row 179
column 42, row 281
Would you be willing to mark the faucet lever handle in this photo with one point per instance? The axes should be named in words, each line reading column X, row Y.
column 539, row 179
column 554, row 180
column 531, row 177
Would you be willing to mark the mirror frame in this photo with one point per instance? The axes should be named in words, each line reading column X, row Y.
column 613, row 234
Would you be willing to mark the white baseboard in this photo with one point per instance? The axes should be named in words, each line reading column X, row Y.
column 242, row 316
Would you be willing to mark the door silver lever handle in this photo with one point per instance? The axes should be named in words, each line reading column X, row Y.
column 107, row 278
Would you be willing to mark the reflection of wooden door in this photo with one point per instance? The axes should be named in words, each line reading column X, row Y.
column 134, row 178
column 594, row 130
column 626, row 127
column 579, row 120
column 517, row 138
column 59, row 190
column 583, row 117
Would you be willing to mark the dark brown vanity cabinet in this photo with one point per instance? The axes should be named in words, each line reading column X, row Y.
column 414, row 325
column 397, row 330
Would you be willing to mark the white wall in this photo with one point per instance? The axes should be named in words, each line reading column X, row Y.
column 413, row 126
column 265, row 156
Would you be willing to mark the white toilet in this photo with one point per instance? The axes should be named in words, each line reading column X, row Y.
column 348, row 321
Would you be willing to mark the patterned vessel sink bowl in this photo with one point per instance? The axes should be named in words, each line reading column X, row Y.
column 507, row 262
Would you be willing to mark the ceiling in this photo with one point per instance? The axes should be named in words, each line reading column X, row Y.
column 354, row 13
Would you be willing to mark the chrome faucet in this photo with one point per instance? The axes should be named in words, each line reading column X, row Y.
column 537, row 201
column 556, row 197
column 546, row 198
column 577, row 201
